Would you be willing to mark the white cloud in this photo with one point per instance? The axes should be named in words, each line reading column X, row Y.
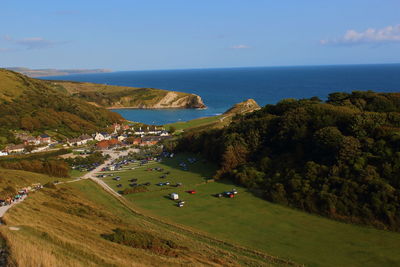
column 31, row 42
column 388, row 34
column 241, row 46
column 34, row 43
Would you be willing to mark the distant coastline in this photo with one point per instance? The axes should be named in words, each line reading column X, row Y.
column 147, row 108
column 56, row 72
column 220, row 89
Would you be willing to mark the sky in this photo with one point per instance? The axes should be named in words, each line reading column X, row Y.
column 179, row 34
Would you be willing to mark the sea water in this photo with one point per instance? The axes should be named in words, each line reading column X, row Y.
column 222, row 88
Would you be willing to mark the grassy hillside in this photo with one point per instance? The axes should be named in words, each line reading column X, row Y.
column 35, row 106
column 110, row 96
column 75, row 225
column 18, row 179
column 253, row 222
column 338, row 158
column 215, row 121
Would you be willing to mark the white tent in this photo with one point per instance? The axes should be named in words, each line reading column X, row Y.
column 174, row 196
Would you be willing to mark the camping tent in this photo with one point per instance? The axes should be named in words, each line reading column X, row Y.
column 174, row 196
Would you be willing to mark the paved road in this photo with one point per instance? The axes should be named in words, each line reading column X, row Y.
column 3, row 209
column 90, row 175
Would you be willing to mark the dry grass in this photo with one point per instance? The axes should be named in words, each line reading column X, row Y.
column 63, row 227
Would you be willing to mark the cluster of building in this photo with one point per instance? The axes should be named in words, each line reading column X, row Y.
column 40, row 142
column 122, row 135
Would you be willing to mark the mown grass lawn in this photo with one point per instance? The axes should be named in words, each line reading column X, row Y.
column 256, row 223
column 76, row 173
column 193, row 123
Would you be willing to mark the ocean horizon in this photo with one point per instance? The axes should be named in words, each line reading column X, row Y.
column 221, row 88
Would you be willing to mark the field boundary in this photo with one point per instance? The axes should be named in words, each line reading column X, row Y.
column 204, row 236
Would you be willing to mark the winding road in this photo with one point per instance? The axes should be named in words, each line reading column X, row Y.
column 3, row 209
column 90, row 175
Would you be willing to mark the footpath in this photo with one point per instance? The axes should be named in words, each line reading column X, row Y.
column 3, row 209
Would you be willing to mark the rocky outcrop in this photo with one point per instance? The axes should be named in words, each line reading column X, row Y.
column 171, row 100
column 119, row 97
column 247, row 106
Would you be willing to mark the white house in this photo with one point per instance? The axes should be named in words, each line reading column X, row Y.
column 139, row 132
column 153, row 131
column 164, row 133
column 41, row 148
column 98, row 137
column 15, row 148
column 102, row 136
column 44, row 139
column 3, row 153
column 122, row 137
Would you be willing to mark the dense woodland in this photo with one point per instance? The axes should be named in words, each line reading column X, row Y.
column 45, row 162
column 33, row 105
column 339, row 158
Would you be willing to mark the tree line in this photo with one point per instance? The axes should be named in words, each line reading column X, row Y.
column 339, row 158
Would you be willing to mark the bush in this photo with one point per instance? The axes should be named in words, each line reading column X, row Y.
column 135, row 189
column 143, row 240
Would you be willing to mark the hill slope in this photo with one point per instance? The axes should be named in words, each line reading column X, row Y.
column 339, row 158
column 110, row 96
column 79, row 224
column 34, row 105
column 218, row 121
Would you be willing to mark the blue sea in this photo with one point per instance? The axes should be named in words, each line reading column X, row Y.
column 222, row 88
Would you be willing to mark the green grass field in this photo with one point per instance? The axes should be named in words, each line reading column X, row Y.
column 256, row 223
column 194, row 123
column 76, row 173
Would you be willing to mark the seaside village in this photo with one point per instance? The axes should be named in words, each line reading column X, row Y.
column 121, row 138
column 122, row 135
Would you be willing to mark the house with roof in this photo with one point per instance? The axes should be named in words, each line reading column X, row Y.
column 139, row 131
column 106, row 144
column 15, row 148
column 74, row 142
column 81, row 140
column 102, row 145
column 102, row 136
column 122, row 137
column 164, row 133
column 85, row 138
column 44, row 139
column 151, row 140
column 32, row 141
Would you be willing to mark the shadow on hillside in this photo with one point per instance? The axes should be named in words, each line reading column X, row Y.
column 205, row 169
column 201, row 167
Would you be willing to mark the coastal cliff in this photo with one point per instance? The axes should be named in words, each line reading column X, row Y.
column 247, row 106
column 170, row 100
column 119, row 97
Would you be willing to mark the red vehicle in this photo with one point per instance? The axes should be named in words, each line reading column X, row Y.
column 191, row 192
